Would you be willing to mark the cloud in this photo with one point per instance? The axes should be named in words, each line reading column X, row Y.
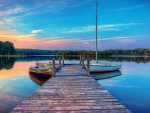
column 107, row 27
column 36, row 31
column 80, row 30
column 73, row 44
column 120, row 25
column 88, row 29
column 1, row 87
column 126, row 41
column 17, row 37
column 57, row 5
column 58, row 42
column 52, row 38
column 8, row 32
column 8, row 20
column 1, row 22
column 113, row 38
column 11, row 11
column 12, row 22
column 14, row 30
column 14, row 79
column 134, row 7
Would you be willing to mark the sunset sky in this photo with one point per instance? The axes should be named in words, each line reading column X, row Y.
column 70, row 24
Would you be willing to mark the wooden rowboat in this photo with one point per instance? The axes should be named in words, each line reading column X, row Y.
column 39, row 70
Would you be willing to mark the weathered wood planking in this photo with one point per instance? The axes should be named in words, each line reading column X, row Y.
column 70, row 91
column 71, row 70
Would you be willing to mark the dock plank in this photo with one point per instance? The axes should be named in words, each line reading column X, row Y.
column 71, row 91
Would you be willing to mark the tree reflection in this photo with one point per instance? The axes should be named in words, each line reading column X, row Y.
column 128, row 59
column 7, row 62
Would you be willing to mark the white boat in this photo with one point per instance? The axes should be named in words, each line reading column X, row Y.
column 98, row 67
column 105, row 75
column 104, row 67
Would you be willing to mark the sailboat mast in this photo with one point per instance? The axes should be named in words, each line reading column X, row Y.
column 96, row 28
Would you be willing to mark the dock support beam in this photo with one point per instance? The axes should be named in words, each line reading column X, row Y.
column 80, row 59
column 63, row 60
column 59, row 63
column 53, row 66
column 82, row 62
column 88, row 65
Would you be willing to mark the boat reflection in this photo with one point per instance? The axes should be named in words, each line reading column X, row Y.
column 104, row 75
column 38, row 79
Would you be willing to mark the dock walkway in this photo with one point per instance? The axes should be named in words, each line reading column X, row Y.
column 71, row 91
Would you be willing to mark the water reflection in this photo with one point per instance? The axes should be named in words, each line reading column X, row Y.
column 40, row 80
column 105, row 75
column 7, row 62
column 133, row 88
column 15, row 85
column 137, row 59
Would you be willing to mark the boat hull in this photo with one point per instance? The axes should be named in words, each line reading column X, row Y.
column 38, row 79
column 103, row 67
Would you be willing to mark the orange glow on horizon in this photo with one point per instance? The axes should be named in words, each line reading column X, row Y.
column 28, row 41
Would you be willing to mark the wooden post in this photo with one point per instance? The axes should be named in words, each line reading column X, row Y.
column 36, row 63
column 82, row 62
column 80, row 59
column 59, row 63
column 53, row 66
column 88, row 65
column 63, row 61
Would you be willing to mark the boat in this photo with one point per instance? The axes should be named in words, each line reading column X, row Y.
column 101, row 67
column 105, row 75
column 40, row 80
column 40, row 70
column 43, row 69
column 98, row 67
column 48, row 65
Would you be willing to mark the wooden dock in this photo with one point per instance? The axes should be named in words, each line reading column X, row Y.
column 71, row 91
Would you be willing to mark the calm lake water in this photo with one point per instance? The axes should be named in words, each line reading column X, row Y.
column 130, row 85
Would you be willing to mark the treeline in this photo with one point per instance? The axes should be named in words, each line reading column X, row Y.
column 7, row 48
column 138, row 51
column 36, row 52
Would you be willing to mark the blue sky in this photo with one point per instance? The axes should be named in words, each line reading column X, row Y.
column 70, row 24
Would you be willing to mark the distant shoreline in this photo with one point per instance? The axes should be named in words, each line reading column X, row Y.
column 76, row 55
column 128, row 56
column 13, row 55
